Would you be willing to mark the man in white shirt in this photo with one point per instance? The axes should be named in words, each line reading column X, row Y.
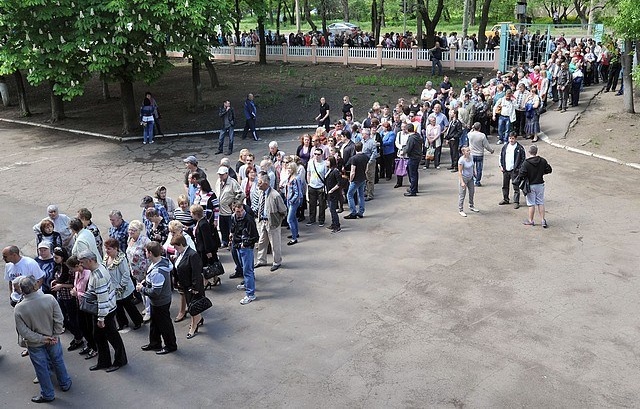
column 428, row 93
column 19, row 266
column 316, row 172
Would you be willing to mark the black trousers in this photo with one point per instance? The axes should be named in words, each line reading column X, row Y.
column 85, row 321
column 317, row 204
column 454, row 152
column 388, row 164
column 126, row 304
column 224, row 222
column 612, row 82
column 507, row 179
column 250, row 125
column 109, row 335
column 161, row 326
column 518, row 126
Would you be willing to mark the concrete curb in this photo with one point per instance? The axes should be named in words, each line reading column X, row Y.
column 139, row 138
column 543, row 137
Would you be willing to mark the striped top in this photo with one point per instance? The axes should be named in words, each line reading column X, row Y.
column 100, row 283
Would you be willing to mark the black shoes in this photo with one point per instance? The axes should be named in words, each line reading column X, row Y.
column 351, row 216
column 98, row 367
column 236, row 275
column 150, row 347
column 41, row 399
column 292, row 242
column 166, row 350
column 408, row 194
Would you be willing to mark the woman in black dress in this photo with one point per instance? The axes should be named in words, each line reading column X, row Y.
column 189, row 276
column 207, row 241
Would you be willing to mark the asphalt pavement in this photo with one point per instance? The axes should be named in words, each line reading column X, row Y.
column 411, row 306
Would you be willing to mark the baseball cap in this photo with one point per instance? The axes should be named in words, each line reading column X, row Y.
column 191, row 159
column 43, row 245
column 223, row 170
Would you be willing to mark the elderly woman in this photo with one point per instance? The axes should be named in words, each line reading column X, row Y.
column 401, row 141
column 182, row 213
column 177, row 229
column 249, row 186
column 207, row 241
column 136, row 255
column 160, row 197
column 47, row 235
column 116, row 262
column 432, row 133
column 293, row 193
column 189, row 276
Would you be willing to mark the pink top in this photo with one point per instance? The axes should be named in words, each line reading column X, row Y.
column 80, row 282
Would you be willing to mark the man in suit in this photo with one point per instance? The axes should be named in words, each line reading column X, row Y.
column 270, row 212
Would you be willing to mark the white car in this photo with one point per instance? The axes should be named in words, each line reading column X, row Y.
column 343, row 27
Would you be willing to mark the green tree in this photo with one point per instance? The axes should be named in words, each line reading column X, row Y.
column 126, row 40
column 627, row 25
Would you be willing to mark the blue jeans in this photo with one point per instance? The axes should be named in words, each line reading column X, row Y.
column 148, row 132
column 292, row 219
column 353, row 188
column 246, row 255
column 436, row 63
column 504, row 126
column 226, row 131
column 478, row 162
column 43, row 357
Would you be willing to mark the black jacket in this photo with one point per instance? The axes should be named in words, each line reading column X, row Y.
column 189, row 271
column 414, row 147
column 534, row 168
column 205, row 241
column 518, row 160
column 244, row 231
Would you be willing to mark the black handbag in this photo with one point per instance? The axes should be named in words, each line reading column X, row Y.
column 199, row 305
column 212, row 270
column 89, row 303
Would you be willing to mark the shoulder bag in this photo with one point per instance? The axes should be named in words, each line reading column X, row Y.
column 89, row 302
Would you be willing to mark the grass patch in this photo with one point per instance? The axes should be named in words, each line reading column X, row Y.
column 416, row 81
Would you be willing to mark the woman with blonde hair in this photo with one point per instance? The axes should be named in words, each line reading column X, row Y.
column 241, row 157
column 293, row 193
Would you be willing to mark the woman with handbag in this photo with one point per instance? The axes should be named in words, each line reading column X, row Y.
column 401, row 161
column 207, row 242
column 189, row 276
column 432, row 133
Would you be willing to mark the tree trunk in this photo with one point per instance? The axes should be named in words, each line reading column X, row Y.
column 484, row 21
column 57, row 105
column 106, row 95
column 213, row 75
column 374, row 19
column 263, row 43
column 307, row 16
column 22, row 94
column 419, row 30
column 627, row 79
column 4, row 91
column 345, row 9
column 196, row 83
column 236, row 21
column 473, row 7
column 430, row 24
column 278, row 20
column 130, row 118
column 323, row 5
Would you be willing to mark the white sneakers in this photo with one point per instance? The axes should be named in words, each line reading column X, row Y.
column 463, row 214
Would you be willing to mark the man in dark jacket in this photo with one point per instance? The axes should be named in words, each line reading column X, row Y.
column 244, row 235
column 512, row 156
column 250, row 112
column 157, row 286
column 413, row 150
column 228, row 122
column 533, row 169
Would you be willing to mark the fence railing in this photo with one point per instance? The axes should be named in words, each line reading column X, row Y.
column 377, row 56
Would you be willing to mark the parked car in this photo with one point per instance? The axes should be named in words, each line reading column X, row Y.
column 496, row 29
column 343, row 27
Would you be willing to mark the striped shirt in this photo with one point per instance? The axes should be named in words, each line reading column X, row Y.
column 100, row 283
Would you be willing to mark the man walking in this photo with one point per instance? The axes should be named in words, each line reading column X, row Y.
column 413, row 150
column 478, row 143
column 39, row 321
column 316, row 173
column 228, row 122
column 512, row 156
column 357, row 180
column 270, row 213
column 250, row 117
column 157, row 286
column 244, row 236
column 533, row 169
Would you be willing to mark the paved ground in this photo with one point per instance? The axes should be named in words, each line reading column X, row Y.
column 412, row 306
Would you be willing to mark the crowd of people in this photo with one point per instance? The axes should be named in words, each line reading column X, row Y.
column 105, row 285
